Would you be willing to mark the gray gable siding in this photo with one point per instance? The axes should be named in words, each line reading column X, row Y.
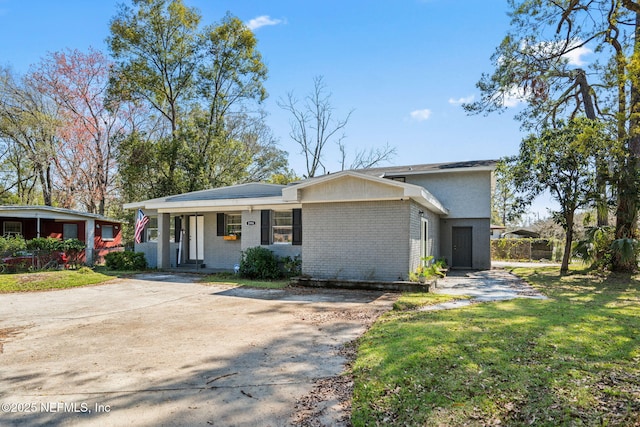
column 464, row 194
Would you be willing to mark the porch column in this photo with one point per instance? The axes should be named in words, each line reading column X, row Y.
column 164, row 255
column 89, row 240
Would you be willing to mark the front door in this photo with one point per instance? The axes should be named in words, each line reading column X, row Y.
column 196, row 238
column 424, row 238
column 461, row 239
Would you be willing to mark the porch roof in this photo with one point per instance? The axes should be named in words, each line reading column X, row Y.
column 239, row 196
column 241, row 191
column 339, row 187
column 49, row 212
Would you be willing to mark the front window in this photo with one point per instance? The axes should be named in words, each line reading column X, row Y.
column 282, row 227
column 234, row 224
column 152, row 229
column 12, row 228
column 107, row 232
column 69, row 231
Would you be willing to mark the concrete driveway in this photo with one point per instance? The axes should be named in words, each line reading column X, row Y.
column 163, row 350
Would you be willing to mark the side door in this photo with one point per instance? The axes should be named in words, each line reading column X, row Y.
column 461, row 244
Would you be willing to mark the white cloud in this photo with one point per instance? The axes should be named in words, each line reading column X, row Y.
column 421, row 115
column 514, row 97
column 459, row 101
column 262, row 21
column 575, row 56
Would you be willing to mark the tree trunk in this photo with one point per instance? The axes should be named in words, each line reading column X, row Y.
column 627, row 210
column 568, row 240
column 602, row 208
column 45, row 182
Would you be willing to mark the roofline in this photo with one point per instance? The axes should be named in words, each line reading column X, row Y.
column 208, row 205
column 435, row 171
column 54, row 210
column 217, row 203
column 165, row 201
column 331, row 177
column 488, row 166
column 415, row 192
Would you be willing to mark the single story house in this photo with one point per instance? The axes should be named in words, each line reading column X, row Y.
column 372, row 224
column 100, row 234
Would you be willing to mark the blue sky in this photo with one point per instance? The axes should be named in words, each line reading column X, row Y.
column 402, row 66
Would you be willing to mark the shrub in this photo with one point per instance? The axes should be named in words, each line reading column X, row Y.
column 595, row 248
column 428, row 270
column 72, row 245
column 11, row 245
column 73, row 249
column 259, row 263
column 44, row 244
column 126, row 261
column 291, row 267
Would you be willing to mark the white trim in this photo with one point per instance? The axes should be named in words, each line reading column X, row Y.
column 409, row 191
column 49, row 212
column 388, row 174
column 292, row 197
column 11, row 233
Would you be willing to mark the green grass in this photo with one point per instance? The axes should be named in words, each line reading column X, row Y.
column 46, row 280
column 573, row 359
column 413, row 301
column 235, row 280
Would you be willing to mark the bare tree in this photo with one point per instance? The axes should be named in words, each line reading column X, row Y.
column 28, row 122
column 366, row 158
column 313, row 124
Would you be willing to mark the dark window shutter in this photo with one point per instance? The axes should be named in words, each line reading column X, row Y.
column 297, row 227
column 177, row 227
column 265, row 227
column 220, row 224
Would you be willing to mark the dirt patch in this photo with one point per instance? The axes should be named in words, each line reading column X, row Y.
column 329, row 402
column 6, row 334
column 30, row 278
column 318, row 318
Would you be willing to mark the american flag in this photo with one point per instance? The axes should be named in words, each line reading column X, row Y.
column 141, row 221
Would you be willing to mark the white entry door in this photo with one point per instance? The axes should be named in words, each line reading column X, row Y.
column 196, row 237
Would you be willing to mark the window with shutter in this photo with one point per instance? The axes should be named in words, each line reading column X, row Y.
column 282, row 227
column 265, row 227
column 297, row 227
column 220, row 224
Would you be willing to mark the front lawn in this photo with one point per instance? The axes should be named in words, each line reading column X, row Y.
column 61, row 279
column 571, row 360
column 46, row 280
column 236, row 280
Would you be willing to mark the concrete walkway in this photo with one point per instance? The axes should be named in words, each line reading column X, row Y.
column 482, row 286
